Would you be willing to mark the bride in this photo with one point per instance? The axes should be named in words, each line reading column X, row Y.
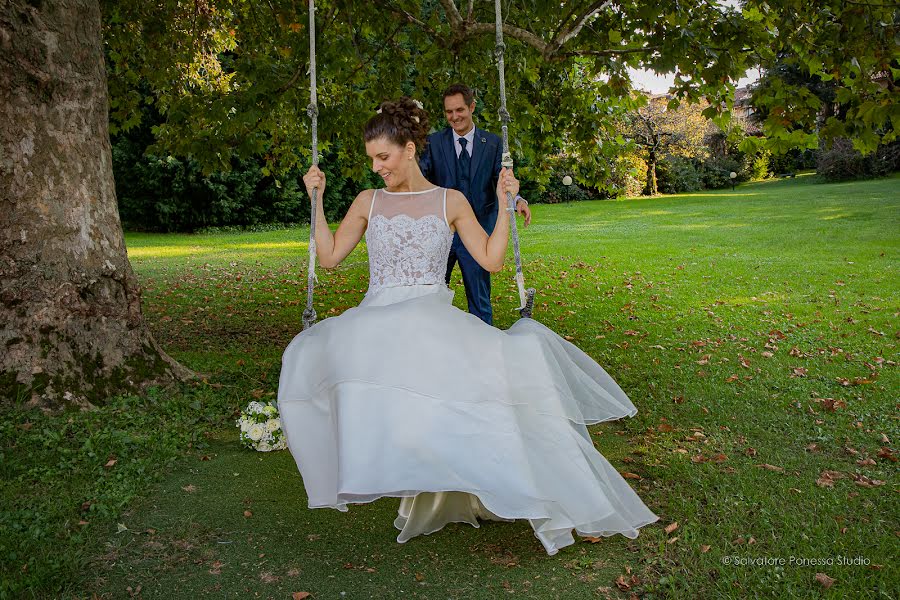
column 408, row 396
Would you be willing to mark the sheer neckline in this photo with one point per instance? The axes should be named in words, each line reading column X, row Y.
column 405, row 193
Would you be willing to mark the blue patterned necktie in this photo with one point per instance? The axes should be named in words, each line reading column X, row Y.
column 465, row 166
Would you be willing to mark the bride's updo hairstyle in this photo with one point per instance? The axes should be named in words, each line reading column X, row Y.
column 399, row 121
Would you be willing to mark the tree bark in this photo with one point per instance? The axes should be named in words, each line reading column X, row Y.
column 651, row 189
column 70, row 305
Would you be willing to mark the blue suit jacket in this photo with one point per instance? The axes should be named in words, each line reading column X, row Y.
column 438, row 164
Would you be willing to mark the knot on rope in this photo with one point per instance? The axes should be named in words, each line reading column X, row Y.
column 504, row 115
column 506, row 160
column 312, row 110
column 498, row 50
column 309, row 317
column 529, row 304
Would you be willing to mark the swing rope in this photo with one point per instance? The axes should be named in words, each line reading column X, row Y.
column 526, row 296
column 309, row 313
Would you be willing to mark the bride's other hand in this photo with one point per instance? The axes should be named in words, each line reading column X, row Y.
column 507, row 183
column 314, row 178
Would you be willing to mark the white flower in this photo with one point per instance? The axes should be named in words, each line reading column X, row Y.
column 256, row 432
column 254, row 407
column 244, row 424
column 419, row 104
column 270, row 410
column 264, row 447
column 273, row 425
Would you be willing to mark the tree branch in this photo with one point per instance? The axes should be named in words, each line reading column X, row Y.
column 452, row 13
column 387, row 4
column 523, row 35
column 565, row 35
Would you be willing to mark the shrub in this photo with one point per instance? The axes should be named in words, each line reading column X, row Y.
column 716, row 172
column 676, row 175
column 557, row 192
column 166, row 194
column 842, row 161
column 629, row 175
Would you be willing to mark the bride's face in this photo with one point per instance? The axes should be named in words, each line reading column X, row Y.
column 391, row 161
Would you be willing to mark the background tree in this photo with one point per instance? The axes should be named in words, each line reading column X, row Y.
column 661, row 127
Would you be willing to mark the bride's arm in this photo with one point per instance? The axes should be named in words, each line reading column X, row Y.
column 331, row 249
column 488, row 251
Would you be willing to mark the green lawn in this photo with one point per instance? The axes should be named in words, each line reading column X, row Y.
column 755, row 330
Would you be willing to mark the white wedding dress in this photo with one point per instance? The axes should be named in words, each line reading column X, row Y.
column 408, row 396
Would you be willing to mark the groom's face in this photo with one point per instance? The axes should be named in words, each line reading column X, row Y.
column 458, row 113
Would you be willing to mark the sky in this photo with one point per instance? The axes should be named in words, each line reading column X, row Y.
column 659, row 84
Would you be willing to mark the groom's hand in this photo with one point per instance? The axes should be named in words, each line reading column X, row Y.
column 522, row 209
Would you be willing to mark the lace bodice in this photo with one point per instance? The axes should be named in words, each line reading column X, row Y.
column 408, row 238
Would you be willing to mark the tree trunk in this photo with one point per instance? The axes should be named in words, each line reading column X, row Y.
column 651, row 189
column 70, row 305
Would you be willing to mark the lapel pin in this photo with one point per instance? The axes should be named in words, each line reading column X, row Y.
column 483, row 141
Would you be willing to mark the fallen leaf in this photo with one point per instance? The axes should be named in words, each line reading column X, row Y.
column 300, row 595
column 863, row 481
column 622, row 584
column 704, row 549
column 248, row 514
column 420, row 577
column 110, row 463
column 719, row 458
column 887, row 453
column 190, row 488
column 771, row 467
column 216, row 568
column 628, row 475
column 827, row 478
column 671, row 527
column 825, row 580
column 673, row 540
column 591, row 539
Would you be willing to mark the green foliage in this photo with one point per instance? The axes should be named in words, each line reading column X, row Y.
column 629, row 175
column 793, row 161
column 715, row 173
column 759, row 165
column 819, row 53
column 170, row 194
column 676, row 174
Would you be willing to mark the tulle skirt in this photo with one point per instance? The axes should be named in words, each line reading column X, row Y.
column 408, row 396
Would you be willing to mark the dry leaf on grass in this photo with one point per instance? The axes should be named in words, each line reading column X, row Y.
column 825, row 580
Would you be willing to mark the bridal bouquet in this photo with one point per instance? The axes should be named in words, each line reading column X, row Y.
column 261, row 427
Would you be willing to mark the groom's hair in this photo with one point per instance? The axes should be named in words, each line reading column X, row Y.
column 460, row 88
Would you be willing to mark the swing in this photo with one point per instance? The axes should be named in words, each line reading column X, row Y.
column 526, row 296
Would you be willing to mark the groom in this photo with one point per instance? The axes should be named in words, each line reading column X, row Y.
column 466, row 158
